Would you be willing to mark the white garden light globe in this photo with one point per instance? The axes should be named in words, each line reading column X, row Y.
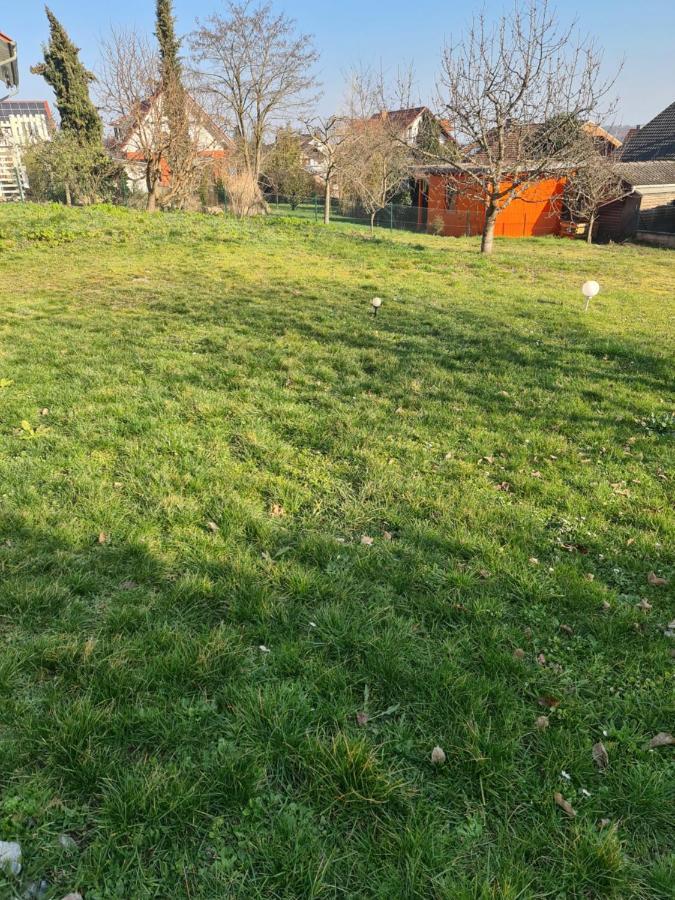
column 377, row 302
column 589, row 289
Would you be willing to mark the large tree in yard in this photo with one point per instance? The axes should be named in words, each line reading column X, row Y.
column 503, row 81
column 258, row 72
column 69, row 80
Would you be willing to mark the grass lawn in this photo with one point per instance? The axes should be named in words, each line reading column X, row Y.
column 261, row 552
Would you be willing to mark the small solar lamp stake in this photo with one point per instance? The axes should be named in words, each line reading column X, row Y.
column 589, row 289
column 376, row 303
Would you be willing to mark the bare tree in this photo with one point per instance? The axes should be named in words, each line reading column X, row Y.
column 505, row 80
column 374, row 167
column 374, row 163
column 258, row 69
column 595, row 184
column 331, row 136
column 136, row 99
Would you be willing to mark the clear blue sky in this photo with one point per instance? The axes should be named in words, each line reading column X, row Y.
column 350, row 31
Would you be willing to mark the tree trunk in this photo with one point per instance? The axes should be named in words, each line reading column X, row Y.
column 372, row 223
column 152, row 198
column 69, row 199
column 487, row 241
column 591, row 223
column 326, row 202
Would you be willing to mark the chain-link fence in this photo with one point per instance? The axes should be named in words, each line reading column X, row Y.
column 394, row 216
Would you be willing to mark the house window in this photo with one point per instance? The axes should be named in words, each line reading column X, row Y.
column 450, row 196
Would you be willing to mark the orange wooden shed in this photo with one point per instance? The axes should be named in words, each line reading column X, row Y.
column 450, row 203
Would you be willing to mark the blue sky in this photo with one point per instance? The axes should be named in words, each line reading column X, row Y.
column 351, row 31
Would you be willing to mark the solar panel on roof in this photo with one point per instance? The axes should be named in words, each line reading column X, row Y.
column 21, row 108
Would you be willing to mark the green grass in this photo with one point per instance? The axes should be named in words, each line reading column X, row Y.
column 161, row 373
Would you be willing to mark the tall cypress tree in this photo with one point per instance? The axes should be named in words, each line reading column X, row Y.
column 169, row 45
column 69, row 80
column 173, row 93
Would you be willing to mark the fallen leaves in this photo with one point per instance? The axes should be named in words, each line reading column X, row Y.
column 541, row 722
column 644, row 605
column 575, row 548
column 366, row 540
column 549, row 702
column 362, row 718
column 102, row 538
column 600, row 757
column 277, row 511
column 656, row 580
column 519, row 653
column 503, row 486
column 212, row 527
column 662, row 739
column 565, row 805
column 568, row 630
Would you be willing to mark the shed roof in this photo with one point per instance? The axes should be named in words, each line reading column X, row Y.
column 651, row 172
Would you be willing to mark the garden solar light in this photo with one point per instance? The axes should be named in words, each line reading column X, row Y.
column 376, row 304
column 589, row 289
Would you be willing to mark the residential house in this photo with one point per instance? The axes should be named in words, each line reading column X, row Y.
column 135, row 136
column 9, row 71
column 22, row 123
column 413, row 123
column 647, row 167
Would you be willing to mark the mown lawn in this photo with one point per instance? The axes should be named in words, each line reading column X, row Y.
column 202, row 427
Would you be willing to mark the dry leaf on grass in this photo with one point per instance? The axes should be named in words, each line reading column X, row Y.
column 277, row 510
column 102, row 537
column 600, row 757
column 362, row 718
column 550, row 702
column 656, row 580
column 662, row 739
column 644, row 605
column 541, row 659
column 504, row 486
column 128, row 585
column 212, row 527
column 367, row 540
column 541, row 722
column 566, row 629
column 533, row 561
column 387, row 535
column 565, row 805
column 519, row 653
